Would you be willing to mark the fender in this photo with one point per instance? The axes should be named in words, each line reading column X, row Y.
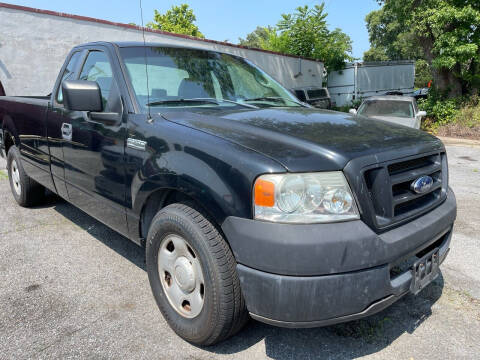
column 190, row 162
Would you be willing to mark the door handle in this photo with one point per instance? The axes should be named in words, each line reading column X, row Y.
column 67, row 131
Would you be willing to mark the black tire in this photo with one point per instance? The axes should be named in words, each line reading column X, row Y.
column 223, row 313
column 31, row 193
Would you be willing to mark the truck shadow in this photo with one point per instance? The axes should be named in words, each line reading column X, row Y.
column 343, row 341
column 118, row 243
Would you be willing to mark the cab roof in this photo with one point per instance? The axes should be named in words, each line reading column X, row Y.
column 390, row 97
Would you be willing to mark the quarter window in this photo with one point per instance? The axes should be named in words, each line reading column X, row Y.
column 67, row 74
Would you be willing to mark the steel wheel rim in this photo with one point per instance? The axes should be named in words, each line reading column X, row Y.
column 181, row 276
column 16, row 177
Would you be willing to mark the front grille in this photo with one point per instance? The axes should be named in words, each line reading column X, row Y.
column 389, row 187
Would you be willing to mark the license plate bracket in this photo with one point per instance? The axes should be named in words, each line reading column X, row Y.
column 425, row 270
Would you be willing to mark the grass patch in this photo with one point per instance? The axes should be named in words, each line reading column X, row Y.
column 453, row 117
column 3, row 175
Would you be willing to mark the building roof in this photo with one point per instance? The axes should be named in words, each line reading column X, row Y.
column 139, row 28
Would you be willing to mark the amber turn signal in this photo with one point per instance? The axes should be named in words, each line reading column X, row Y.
column 264, row 193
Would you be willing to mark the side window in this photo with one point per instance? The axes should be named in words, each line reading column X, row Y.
column 97, row 68
column 67, row 74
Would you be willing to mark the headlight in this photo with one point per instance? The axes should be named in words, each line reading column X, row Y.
column 304, row 198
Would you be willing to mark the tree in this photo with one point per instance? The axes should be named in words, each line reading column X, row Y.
column 178, row 20
column 305, row 33
column 256, row 38
column 389, row 39
column 377, row 53
column 445, row 33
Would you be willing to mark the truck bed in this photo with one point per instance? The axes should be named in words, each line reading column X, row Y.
column 23, row 118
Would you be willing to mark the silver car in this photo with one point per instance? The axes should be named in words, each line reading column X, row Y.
column 401, row 110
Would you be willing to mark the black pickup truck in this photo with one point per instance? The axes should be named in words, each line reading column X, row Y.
column 249, row 203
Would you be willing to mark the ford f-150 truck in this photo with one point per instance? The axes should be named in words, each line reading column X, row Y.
column 249, row 203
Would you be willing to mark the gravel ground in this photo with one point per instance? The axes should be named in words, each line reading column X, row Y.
column 72, row 288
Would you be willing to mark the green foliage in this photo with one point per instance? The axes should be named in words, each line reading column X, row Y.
column 445, row 33
column 440, row 112
column 458, row 117
column 375, row 54
column 423, row 73
column 178, row 20
column 389, row 39
column 257, row 37
column 305, row 33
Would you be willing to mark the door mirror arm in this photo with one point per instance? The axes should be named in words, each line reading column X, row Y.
column 107, row 118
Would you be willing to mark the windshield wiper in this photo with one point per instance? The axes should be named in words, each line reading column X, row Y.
column 275, row 99
column 199, row 100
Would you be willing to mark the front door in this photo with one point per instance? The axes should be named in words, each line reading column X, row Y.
column 94, row 151
column 57, row 116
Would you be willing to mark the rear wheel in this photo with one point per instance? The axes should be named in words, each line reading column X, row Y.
column 193, row 276
column 26, row 191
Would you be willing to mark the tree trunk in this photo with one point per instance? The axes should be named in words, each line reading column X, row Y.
column 444, row 80
column 447, row 83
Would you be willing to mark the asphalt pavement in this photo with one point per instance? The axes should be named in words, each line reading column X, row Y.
column 72, row 288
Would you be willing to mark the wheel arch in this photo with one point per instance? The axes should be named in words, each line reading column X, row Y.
column 162, row 197
column 10, row 136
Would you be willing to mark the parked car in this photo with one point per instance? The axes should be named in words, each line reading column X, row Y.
column 421, row 93
column 401, row 110
column 315, row 96
column 249, row 204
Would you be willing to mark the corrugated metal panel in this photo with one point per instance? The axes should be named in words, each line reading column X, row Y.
column 372, row 78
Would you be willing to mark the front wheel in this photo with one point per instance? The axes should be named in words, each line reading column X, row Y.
column 193, row 276
column 25, row 190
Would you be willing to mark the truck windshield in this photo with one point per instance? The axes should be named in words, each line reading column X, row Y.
column 179, row 77
column 392, row 108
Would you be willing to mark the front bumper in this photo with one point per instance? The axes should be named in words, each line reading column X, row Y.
column 320, row 274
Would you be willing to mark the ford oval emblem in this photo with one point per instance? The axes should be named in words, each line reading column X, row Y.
column 422, row 184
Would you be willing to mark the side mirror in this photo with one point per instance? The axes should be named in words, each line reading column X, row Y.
column 422, row 114
column 82, row 95
column 352, row 111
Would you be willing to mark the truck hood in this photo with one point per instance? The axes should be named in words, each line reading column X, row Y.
column 304, row 139
column 396, row 120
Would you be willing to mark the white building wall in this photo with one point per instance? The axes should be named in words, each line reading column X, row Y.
column 33, row 47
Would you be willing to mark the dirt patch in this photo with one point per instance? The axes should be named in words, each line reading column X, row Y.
column 459, row 131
